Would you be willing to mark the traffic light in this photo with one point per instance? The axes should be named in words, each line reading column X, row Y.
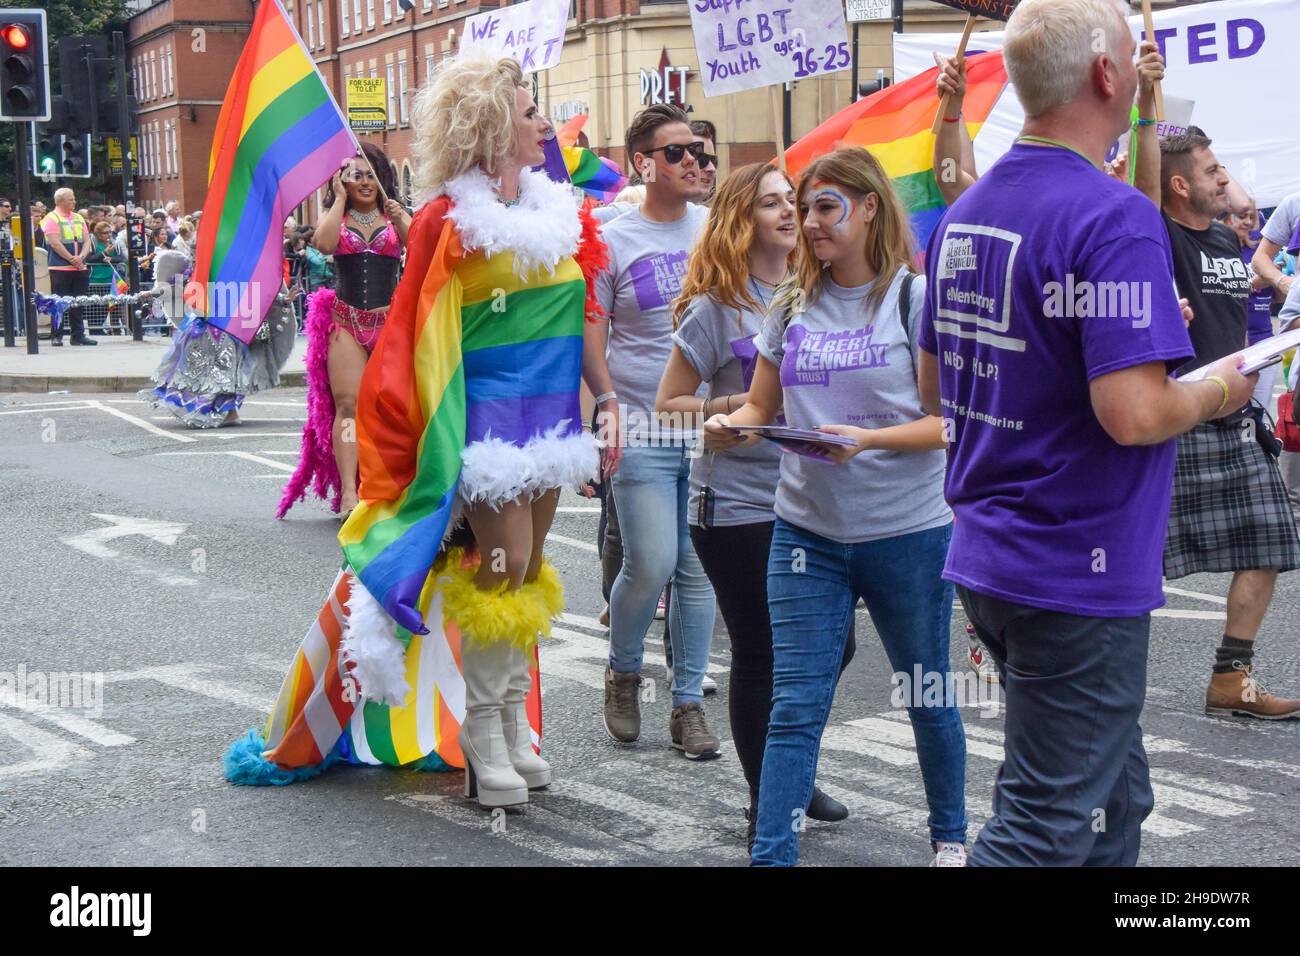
column 74, row 151
column 46, row 154
column 86, row 85
column 24, row 66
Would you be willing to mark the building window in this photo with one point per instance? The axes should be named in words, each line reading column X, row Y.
column 392, row 97
column 388, row 11
column 430, row 61
column 442, row 4
column 370, row 14
column 149, row 87
column 345, row 22
column 428, row 5
column 320, row 22
column 171, row 72
column 311, row 25
column 401, row 89
column 407, row 188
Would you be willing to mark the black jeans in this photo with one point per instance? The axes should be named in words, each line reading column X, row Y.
column 735, row 559
column 70, row 282
column 1074, row 788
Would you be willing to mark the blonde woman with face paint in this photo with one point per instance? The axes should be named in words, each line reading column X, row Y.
column 837, row 351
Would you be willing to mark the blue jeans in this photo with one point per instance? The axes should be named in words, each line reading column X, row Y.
column 650, row 492
column 813, row 584
column 1074, row 787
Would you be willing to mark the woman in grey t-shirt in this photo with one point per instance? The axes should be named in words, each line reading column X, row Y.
column 873, row 523
column 745, row 251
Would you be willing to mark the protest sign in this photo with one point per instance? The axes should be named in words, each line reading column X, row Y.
column 746, row 44
column 532, row 33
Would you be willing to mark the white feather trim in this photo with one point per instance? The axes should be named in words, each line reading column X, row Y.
column 370, row 644
column 495, row 471
column 540, row 230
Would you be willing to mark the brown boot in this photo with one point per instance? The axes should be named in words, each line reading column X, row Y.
column 1237, row 694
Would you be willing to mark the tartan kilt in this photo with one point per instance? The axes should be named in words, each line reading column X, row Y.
column 1229, row 510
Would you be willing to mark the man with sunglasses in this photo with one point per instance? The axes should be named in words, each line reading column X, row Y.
column 647, row 458
column 706, row 131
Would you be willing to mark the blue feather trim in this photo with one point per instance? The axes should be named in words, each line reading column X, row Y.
column 244, row 764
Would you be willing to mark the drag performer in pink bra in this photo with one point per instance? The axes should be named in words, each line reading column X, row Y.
column 366, row 236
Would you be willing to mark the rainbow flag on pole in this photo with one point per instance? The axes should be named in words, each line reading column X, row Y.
column 894, row 124
column 279, row 135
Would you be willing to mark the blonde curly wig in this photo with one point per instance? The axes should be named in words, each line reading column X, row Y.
column 463, row 117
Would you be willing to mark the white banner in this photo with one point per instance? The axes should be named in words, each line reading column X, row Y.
column 1234, row 59
column 531, row 32
column 744, row 44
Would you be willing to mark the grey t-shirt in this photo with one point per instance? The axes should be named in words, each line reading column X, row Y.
column 841, row 365
column 718, row 342
column 647, row 263
column 1281, row 226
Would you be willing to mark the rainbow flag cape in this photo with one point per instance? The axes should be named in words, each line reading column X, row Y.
column 279, row 136
column 894, row 124
column 317, row 712
column 441, row 374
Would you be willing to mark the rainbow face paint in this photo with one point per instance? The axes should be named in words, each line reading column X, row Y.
column 846, row 204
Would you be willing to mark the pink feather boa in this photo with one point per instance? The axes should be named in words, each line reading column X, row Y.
column 316, row 464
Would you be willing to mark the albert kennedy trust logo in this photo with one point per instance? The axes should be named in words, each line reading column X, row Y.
column 76, row 908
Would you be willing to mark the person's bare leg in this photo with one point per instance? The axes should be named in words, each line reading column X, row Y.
column 346, row 363
column 543, row 514
column 505, row 542
column 1248, row 600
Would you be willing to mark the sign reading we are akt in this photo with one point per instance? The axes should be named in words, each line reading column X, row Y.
column 744, row 44
column 532, row 33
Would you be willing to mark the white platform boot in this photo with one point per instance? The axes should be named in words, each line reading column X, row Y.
column 535, row 771
column 489, row 776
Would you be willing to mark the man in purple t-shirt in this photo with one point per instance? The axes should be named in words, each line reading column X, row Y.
column 1051, row 326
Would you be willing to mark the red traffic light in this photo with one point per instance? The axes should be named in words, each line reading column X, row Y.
column 15, row 34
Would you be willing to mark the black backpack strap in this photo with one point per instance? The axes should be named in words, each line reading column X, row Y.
column 905, row 306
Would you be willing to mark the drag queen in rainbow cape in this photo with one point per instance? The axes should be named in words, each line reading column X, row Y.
column 468, row 416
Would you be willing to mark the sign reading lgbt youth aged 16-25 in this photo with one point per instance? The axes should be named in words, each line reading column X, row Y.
column 744, row 44
column 532, row 33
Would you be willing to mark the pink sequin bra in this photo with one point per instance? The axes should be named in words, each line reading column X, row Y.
column 383, row 243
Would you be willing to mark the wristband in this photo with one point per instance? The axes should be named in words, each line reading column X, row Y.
column 1226, row 393
column 1144, row 122
column 605, row 397
column 952, row 119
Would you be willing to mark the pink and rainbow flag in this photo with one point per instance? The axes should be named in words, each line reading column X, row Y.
column 279, row 135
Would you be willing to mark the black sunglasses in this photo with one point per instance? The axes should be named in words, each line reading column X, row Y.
column 674, row 152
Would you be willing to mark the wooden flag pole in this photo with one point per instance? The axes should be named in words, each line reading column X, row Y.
column 961, row 52
column 776, row 123
column 1149, row 28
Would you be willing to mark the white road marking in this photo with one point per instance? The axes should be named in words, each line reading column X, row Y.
column 572, row 542
column 230, row 435
column 141, row 423
column 258, row 459
column 1212, row 598
column 92, row 542
column 51, row 752
column 183, row 676
column 37, row 411
column 567, row 510
column 71, row 722
column 1189, row 615
column 671, row 830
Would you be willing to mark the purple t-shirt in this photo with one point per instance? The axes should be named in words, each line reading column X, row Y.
column 1044, row 275
column 1259, row 315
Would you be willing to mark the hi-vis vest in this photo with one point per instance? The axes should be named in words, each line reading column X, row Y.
column 72, row 232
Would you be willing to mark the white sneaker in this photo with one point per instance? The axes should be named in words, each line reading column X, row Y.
column 710, row 685
column 949, row 854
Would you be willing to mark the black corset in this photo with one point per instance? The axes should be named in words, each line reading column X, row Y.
column 365, row 280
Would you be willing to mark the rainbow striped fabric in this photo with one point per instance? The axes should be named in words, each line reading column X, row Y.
column 317, row 705
column 598, row 176
column 279, row 135
column 894, row 124
column 450, row 369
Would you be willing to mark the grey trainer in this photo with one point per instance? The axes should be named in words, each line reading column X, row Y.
column 622, row 706
column 691, row 734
